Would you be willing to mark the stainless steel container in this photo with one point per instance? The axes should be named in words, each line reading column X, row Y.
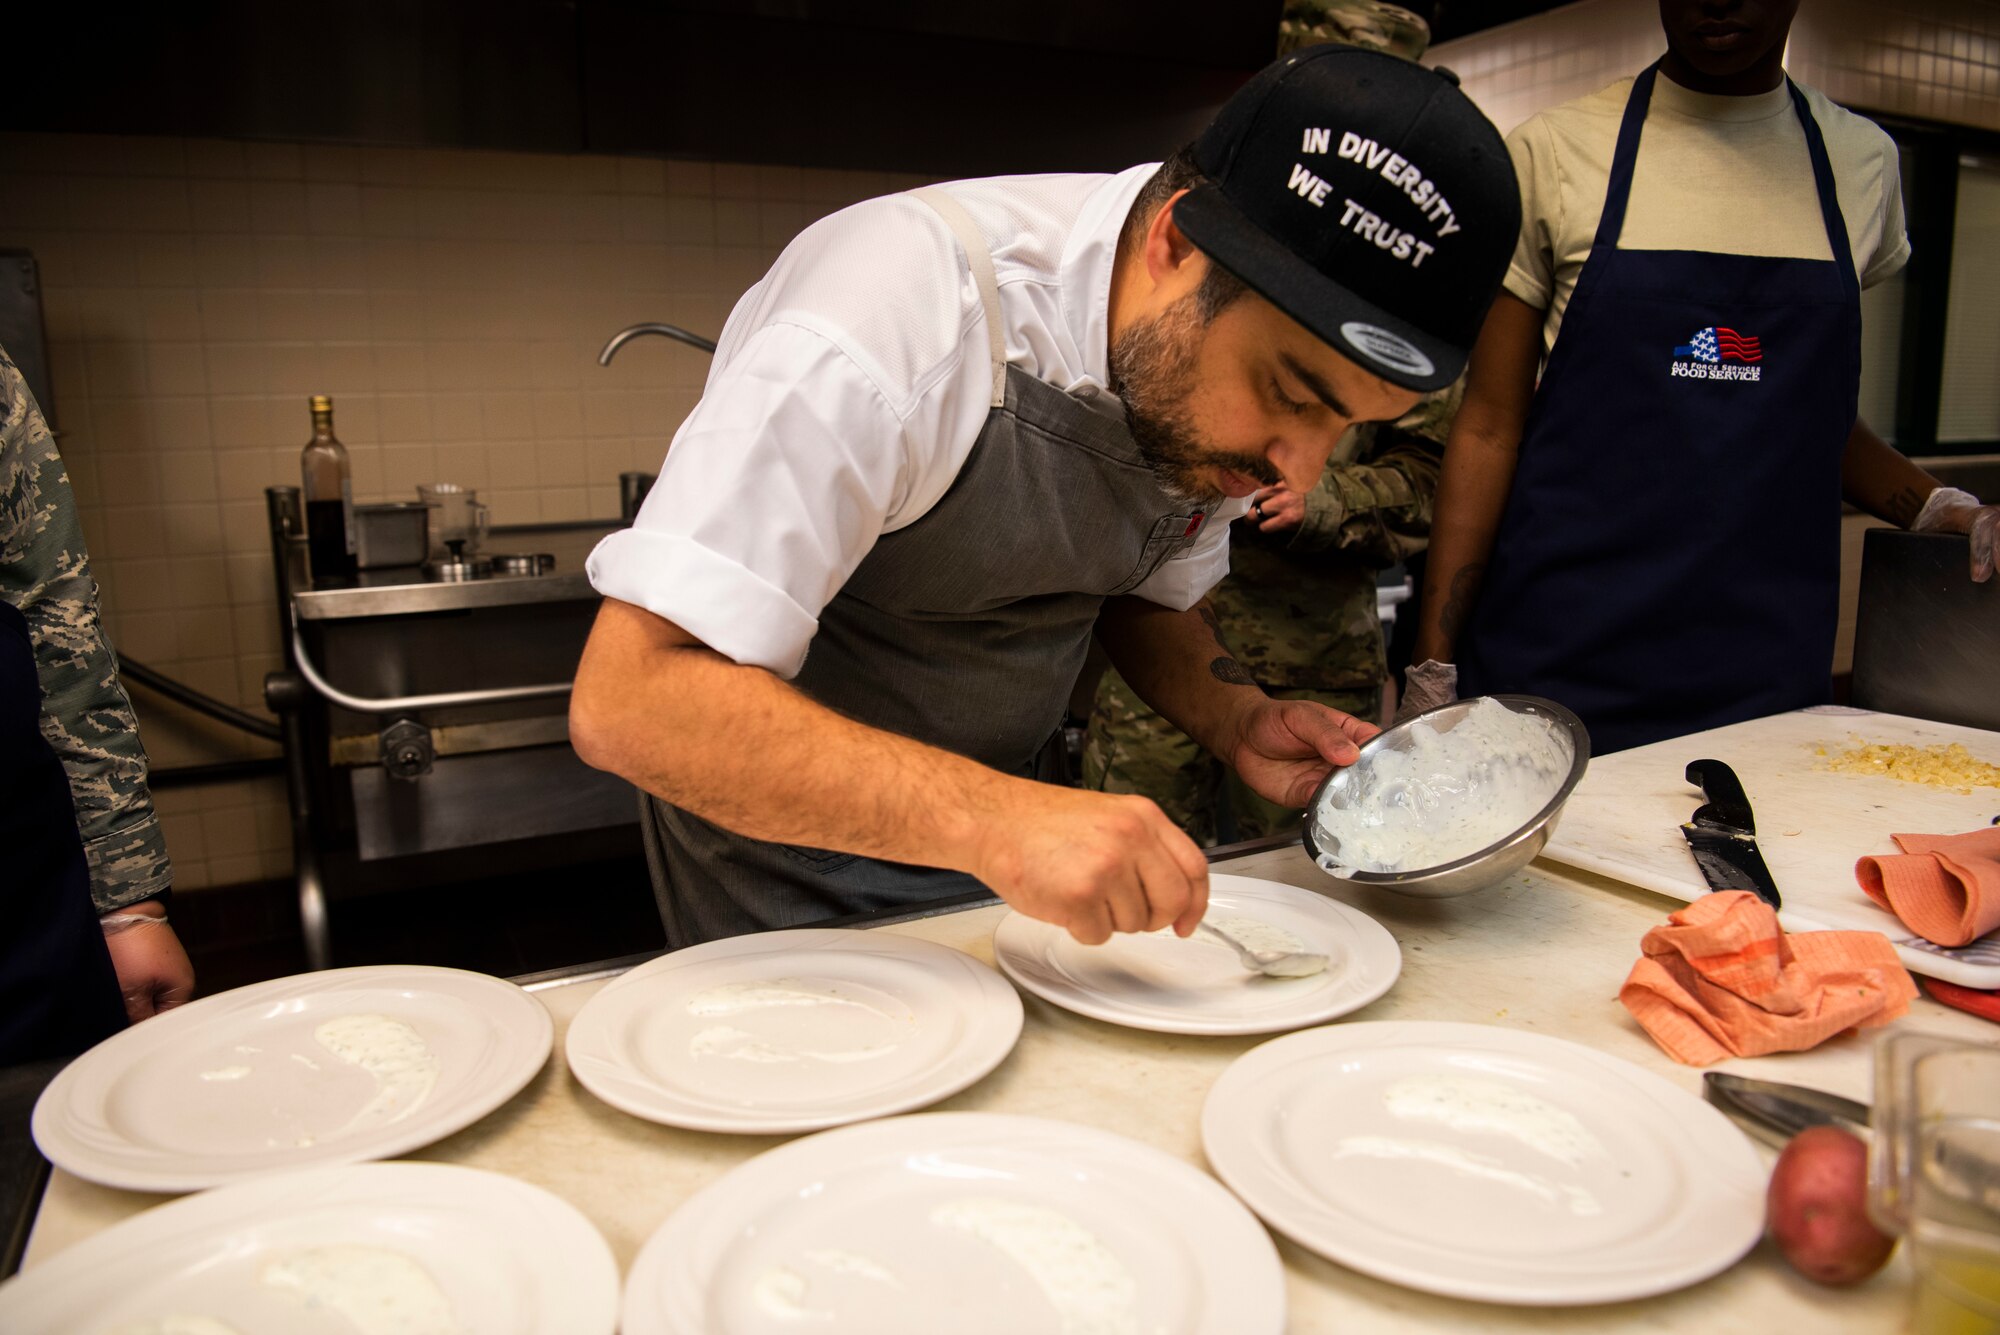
column 522, row 563
column 396, row 533
column 1477, row 870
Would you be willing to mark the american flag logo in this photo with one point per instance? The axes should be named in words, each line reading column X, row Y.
column 1715, row 344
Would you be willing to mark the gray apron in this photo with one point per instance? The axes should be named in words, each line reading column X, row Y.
column 965, row 630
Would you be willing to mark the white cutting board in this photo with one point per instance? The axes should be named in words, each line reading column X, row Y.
column 1624, row 820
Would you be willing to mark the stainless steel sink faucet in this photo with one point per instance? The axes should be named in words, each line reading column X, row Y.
column 624, row 336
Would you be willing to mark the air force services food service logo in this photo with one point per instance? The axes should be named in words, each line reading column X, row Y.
column 1716, row 353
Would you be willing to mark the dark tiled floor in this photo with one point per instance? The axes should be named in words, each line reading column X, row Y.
column 510, row 925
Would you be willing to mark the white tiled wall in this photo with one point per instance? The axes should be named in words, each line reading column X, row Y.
column 1518, row 69
column 453, row 304
column 1930, row 59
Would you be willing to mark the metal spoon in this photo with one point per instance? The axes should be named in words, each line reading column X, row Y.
column 1270, row 963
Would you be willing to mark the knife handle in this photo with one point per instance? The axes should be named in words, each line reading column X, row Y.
column 1718, row 783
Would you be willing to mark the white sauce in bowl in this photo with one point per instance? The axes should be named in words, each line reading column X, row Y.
column 1448, row 796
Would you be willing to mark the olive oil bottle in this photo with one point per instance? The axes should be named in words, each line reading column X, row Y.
column 329, row 496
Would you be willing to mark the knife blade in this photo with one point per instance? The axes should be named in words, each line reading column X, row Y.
column 1722, row 836
column 1777, row 1112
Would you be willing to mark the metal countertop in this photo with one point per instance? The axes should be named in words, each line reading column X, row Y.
column 403, row 590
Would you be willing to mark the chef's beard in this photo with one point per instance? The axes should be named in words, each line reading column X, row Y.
column 1153, row 371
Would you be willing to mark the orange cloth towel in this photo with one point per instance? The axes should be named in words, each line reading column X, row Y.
column 1722, row 979
column 1945, row 887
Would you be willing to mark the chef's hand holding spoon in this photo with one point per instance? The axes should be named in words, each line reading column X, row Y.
column 1091, row 863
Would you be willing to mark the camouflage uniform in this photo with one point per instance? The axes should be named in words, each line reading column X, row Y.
column 45, row 574
column 1380, row 25
column 1298, row 611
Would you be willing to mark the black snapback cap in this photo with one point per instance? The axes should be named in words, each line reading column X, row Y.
column 1367, row 198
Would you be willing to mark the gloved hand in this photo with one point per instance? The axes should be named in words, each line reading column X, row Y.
column 1950, row 510
column 152, row 967
column 1425, row 686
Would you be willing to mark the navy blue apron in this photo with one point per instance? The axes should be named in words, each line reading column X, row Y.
column 1669, row 558
column 58, row 993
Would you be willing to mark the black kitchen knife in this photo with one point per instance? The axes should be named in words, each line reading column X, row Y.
column 1723, row 834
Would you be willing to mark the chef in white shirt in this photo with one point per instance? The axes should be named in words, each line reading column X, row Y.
column 954, row 431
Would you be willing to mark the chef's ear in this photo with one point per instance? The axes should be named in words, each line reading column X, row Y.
column 1167, row 249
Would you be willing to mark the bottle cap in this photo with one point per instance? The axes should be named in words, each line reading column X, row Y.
column 321, row 403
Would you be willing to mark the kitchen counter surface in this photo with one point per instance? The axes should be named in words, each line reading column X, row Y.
column 1543, row 951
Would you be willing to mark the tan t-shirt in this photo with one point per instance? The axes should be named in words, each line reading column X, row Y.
column 1728, row 174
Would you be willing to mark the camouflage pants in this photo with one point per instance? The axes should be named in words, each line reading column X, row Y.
column 1130, row 748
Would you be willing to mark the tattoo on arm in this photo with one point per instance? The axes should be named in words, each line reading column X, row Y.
column 1458, row 604
column 1206, row 611
column 1904, row 507
column 1225, row 668
column 1230, row 671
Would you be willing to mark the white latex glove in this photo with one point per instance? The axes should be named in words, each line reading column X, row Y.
column 1950, row 510
column 1425, row 686
column 153, row 969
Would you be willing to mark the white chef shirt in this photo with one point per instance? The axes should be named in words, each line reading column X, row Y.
column 848, row 388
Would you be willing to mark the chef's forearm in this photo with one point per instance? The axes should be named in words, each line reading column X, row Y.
column 1478, row 472
column 745, row 750
column 1878, row 478
column 1180, row 664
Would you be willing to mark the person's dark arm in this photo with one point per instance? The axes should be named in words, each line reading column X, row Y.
column 1479, row 463
column 1876, row 477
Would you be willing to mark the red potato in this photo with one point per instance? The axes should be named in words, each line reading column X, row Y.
column 1817, row 1208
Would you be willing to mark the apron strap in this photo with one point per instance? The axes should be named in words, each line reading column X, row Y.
column 1611, row 222
column 1618, row 191
column 1829, row 198
column 981, row 261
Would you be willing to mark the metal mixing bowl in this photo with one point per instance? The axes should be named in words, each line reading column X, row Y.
column 1490, row 864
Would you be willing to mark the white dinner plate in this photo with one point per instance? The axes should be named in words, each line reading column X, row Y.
column 1156, row 980
column 1484, row 1163
column 973, row 1223
column 319, row 1068
column 400, row 1246
column 793, row 1031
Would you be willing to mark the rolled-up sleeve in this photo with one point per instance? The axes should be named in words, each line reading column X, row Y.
column 774, row 490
